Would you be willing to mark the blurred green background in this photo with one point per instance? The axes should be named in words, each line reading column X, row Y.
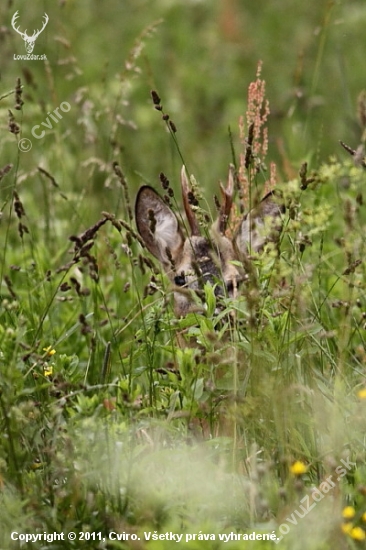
column 66, row 317
column 105, row 57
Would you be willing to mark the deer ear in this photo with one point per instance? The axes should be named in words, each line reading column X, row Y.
column 158, row 226
column 261, row 225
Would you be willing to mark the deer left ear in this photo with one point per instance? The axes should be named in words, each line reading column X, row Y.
column 158, row 226
column 261, row 225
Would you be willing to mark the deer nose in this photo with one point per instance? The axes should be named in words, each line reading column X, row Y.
column 180, row 280
column 230, row 286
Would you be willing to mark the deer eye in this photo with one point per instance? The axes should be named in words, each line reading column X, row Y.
column 230, row 287
column 180, row 280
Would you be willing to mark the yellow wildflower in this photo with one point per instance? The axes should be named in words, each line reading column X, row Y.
column 49, row 350
column 357, row 533
column 298, row 468
column 363, row 517
column 348, row 512
column 361, row 394
column 48, row 371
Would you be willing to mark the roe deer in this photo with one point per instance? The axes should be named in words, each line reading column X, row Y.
column 191, row 261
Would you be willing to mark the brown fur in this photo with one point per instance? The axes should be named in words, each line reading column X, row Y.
column 191, row 261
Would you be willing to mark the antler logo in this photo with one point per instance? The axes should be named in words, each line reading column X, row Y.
column 29, row 41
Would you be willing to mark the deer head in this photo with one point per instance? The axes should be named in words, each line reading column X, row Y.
column 28, row 40
column 193, row 260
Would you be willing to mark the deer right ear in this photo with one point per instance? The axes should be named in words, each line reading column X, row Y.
column 158, row 226
column 261, row 225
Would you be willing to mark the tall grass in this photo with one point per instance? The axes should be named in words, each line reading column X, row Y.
column 108, row 425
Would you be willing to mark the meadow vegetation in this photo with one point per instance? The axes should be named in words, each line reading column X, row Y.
column 107, row 425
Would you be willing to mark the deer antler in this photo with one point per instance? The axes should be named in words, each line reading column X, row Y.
column 24, row 34
column 227, row 200
column 37, row 33
column 192, row 220
column 13, row 22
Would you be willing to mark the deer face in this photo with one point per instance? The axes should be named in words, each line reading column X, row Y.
column 191, row 261
column 29, row 42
